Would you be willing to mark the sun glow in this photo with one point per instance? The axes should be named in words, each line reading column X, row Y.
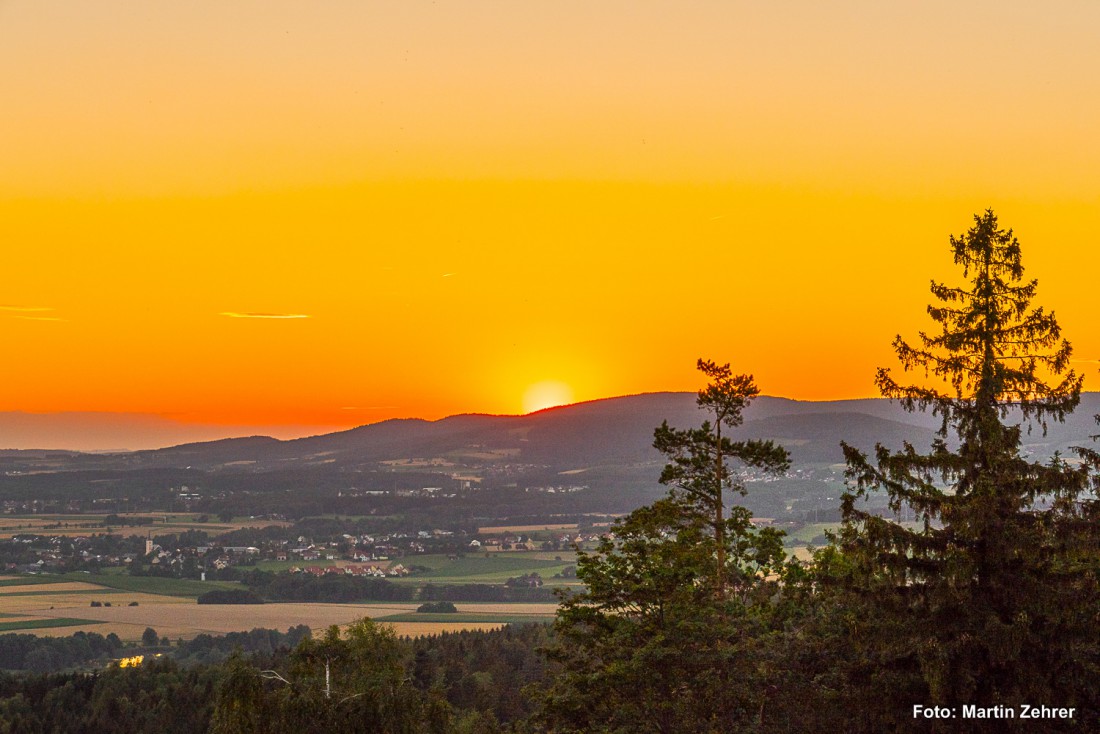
column 543, row 395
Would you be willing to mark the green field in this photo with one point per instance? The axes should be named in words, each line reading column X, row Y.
column 33, row 624
column 808, row 532
column 60, row 593
column 152, row 584
column 493, row 569
column 31, row 580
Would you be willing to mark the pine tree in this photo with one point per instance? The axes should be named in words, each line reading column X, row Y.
column 700, row 476
column 657, row 643
column 993, row 598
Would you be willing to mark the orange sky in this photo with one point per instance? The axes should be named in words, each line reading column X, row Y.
column 465, row 199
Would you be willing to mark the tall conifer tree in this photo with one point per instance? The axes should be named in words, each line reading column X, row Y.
column 666, row 636
column 992, row 599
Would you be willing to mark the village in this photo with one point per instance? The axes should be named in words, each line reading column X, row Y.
column 194, row 554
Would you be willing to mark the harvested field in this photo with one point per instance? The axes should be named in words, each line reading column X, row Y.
column 180, row 619
column 38, row 601
column 38, row 588
column 8, row 581
column 187, row 620
column 507, row 608
column 525, row 528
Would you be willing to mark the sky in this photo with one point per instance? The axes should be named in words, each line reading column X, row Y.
column 306, row 216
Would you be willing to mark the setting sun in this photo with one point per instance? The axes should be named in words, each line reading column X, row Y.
column 543, row 395
column 312, row 217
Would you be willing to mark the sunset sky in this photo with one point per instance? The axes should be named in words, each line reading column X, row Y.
column 318, row 215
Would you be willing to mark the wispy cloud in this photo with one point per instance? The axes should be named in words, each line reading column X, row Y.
column 21, row 312
column 236, row 315
column 25, row 309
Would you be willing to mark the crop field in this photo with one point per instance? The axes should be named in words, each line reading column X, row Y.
column 26, row 580
column 188, row 620
column 526, row 528
column 145, row 524
column 493, row 565
column 37, row 599
column 170, row 587
column 20, row 625
column 460, row 617
column 59, row 606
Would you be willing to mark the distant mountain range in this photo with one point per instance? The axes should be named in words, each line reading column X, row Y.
column 593, row 457
column 103, row 431
column 608, row 432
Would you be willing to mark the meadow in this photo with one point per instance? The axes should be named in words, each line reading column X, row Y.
column 491, row 568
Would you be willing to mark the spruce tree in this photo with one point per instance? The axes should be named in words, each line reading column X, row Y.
column 992, row 598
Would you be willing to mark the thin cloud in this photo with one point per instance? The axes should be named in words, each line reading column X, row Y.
column 236, row 315
column 21, row 312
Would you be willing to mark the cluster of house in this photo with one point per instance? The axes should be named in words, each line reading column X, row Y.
column 353, row 570
column 57, row 551
column 363, row 554
column 523, row 543
column 217, row 557
column 558, row 489
column 28, row 507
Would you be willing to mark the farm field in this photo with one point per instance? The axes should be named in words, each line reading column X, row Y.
column 808, row 532
column 59, row 606
column 571, row 527
column 26, row 580
column 150, row 584
column 38, row 599
column 462, row 617
column 493, row 569
column 21, row 625
column 150, row 524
